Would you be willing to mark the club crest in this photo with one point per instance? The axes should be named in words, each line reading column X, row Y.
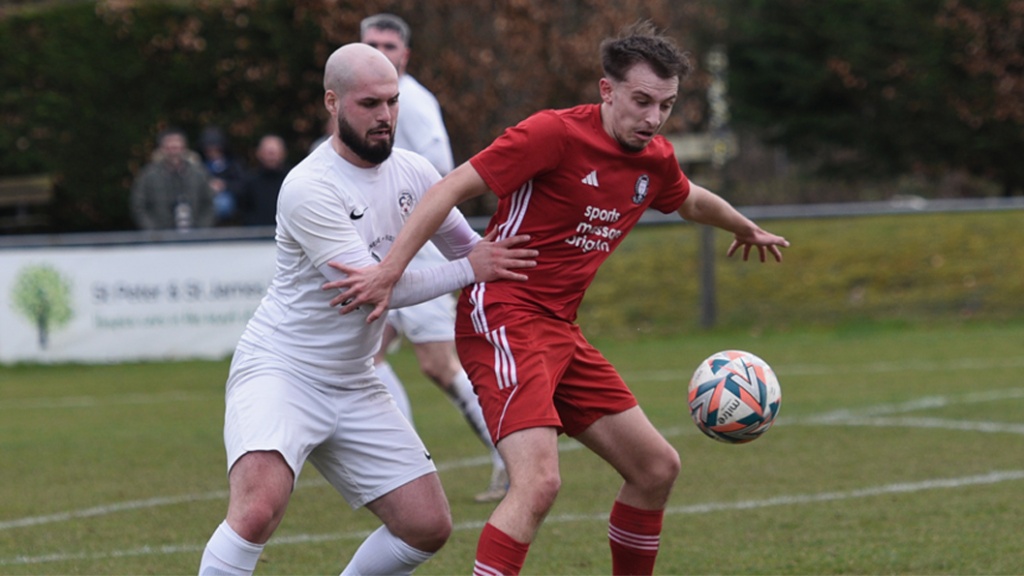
column 640, row 189
column 406, row 202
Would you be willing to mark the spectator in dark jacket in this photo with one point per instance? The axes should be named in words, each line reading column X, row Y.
column 257, row 196
column 226, row 174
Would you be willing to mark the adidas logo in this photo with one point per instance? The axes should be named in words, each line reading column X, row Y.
column 590, row 179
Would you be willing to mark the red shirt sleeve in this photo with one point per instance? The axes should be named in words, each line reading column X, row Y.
column 522, row 152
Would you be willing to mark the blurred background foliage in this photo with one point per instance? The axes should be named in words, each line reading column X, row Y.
column 838, row 100
column 860, row 87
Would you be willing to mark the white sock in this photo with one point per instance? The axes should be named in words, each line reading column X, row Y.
column 394, row 385
column 384, row 553
column 228, row 554
column 465, row 400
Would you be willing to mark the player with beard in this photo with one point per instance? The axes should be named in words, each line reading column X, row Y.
column 576, row 180
column 301, row 384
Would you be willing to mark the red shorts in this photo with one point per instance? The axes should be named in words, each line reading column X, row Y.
column 541, row 372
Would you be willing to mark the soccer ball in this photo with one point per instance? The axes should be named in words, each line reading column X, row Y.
column 734, row 396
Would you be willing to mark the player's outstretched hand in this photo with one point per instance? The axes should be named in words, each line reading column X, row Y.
column 763, row 241
column 499, row 260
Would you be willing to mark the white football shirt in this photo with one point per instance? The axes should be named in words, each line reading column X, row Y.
column 329, row 209
column 421, row 124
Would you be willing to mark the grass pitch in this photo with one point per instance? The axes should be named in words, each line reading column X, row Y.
column 897, row 451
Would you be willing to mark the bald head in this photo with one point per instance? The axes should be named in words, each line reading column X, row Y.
column 361, row 94
column 355, row 64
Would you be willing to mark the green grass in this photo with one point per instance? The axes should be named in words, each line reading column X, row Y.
column 897, row 341
column 907, row 269
column 898, row 451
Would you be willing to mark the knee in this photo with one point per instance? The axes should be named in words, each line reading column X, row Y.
column 260, row 486
column 438, row 534
column 440, row 370
column 540, row 493
column 428, row 534
column 662, row 472
column 257, row 520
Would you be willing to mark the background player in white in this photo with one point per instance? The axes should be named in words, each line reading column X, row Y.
column 430, row 326
column 576, row 180
column 422, row 128
column 301, row 384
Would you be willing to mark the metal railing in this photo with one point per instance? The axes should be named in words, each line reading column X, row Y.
column 899, row 205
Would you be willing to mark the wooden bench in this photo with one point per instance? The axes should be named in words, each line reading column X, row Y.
column 23, row 203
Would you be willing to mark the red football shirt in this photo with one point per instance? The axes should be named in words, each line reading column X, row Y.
column 564, row 181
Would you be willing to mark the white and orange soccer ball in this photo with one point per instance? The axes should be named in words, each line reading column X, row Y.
column 734, row 396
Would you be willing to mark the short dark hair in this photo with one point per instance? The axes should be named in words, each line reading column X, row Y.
column 384, row 21
column 641, row 43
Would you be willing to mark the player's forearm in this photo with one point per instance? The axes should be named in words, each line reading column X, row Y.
column 416, row 286
column 706, row 207
column 456, row 238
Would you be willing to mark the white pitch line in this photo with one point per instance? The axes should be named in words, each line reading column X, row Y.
column 651, row 375
column 563, row 446
column 868, row 416
column 100, row 401
column 112, row 508
column 924, row 403
column 963, row 425
column 784, row 370
column 994, row 477
column 905, row 366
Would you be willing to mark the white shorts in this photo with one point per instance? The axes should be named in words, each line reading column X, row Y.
column 430, row 321
column 351, row 431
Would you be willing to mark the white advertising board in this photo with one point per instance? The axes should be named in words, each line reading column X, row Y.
column 129, row 302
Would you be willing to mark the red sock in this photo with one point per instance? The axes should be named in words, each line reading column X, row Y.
column 498, row 553
column 634, row 535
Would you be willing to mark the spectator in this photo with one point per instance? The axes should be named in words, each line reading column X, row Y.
column 173, row 190
column 257, row 195
column 429, row 326
column 225, row 173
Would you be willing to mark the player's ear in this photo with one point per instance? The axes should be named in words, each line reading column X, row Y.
column 331, row 102
column 605, row 86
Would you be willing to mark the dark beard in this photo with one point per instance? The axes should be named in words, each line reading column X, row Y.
column 374, row 154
